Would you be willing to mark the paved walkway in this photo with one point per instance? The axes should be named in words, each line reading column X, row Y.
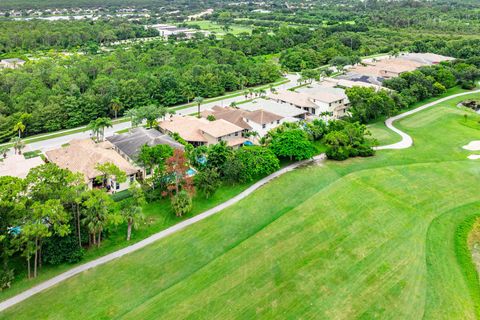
column 157, row 236
column 407, row 141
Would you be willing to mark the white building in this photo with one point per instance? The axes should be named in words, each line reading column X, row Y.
column 327, row 102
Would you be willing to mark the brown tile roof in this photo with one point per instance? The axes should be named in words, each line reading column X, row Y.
column 262, row 116
column 187, row 127
column 220, row 128
column 231, row 115
column 83, row 155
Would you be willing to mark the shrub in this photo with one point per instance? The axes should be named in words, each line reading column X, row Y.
column 57, row 250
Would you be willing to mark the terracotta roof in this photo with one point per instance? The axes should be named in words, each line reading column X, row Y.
column 262, row 116
column 229, row 114
column 187, row 127
column 83, row 155
column 220, row 128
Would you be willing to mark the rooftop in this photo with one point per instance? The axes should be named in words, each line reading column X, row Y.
column 187, row 127
column 262, row 116
column 282, row 109
column 323, row 94
column 232, row 115
column 220, row 128
column 83, row 155
column 18, row 166
column 295, row 98
column 130, row 143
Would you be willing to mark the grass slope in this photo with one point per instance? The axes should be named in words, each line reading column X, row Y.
column 364, row 238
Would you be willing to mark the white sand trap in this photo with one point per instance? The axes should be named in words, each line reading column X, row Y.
column 473, row 146
column 474, row 156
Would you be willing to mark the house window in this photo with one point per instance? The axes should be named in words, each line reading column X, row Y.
column 264, row 126
column 117, row 185
column 278, row 121
column 236, row 134
column 132, row 178
column 219, row 139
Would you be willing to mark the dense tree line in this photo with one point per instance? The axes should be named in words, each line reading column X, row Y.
column 69, row 92
column 410, row 87
column 38, row 34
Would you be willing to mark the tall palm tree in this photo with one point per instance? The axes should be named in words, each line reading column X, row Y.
column 116, row 106
column 103, row 123
column 92, row 126
column 198, row 101
column 20, row 128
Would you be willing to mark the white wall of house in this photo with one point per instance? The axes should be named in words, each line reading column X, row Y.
column 263, row 129
column 215, row 140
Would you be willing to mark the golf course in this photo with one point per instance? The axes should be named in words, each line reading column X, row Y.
column 366, row 238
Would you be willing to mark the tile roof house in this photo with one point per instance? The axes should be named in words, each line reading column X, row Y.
column 84, row 155
column 259, row 121
column 200, row 131
column 17, row 166
column 288, row 112
column 12, row 63
column 317, row 103
column 129, row 144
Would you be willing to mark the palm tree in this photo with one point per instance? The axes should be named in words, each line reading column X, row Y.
column 92, row 126
column 20, row 128
column 103, row 123
column 116, row 106
column 198, row 101
column 18, row 145
column 132, row 114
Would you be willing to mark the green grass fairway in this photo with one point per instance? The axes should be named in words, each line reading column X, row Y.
column 217, row 28
column 361, row 239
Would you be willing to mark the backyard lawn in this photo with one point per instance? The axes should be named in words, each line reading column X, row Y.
column 365, row 238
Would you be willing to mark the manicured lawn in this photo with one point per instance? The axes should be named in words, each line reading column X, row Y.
column 366, row 238
column 217, row 28
column 158, row 217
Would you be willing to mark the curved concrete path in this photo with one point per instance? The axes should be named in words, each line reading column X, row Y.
column 407, row 141
column 157, row 236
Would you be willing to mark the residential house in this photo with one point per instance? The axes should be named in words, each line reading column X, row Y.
column 259, row 121
column 333, row 101
column 129, row 144
column 320, row 103
column 18, row 166
column 83, row 156
column 12, row 63
column 200, row 131
column 287, row 111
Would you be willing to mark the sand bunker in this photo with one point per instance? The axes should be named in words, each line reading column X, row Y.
column 473, row 146
column 474, row 156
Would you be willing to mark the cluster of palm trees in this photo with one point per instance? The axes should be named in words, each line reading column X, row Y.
column 252, row 93
column 98, row 127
